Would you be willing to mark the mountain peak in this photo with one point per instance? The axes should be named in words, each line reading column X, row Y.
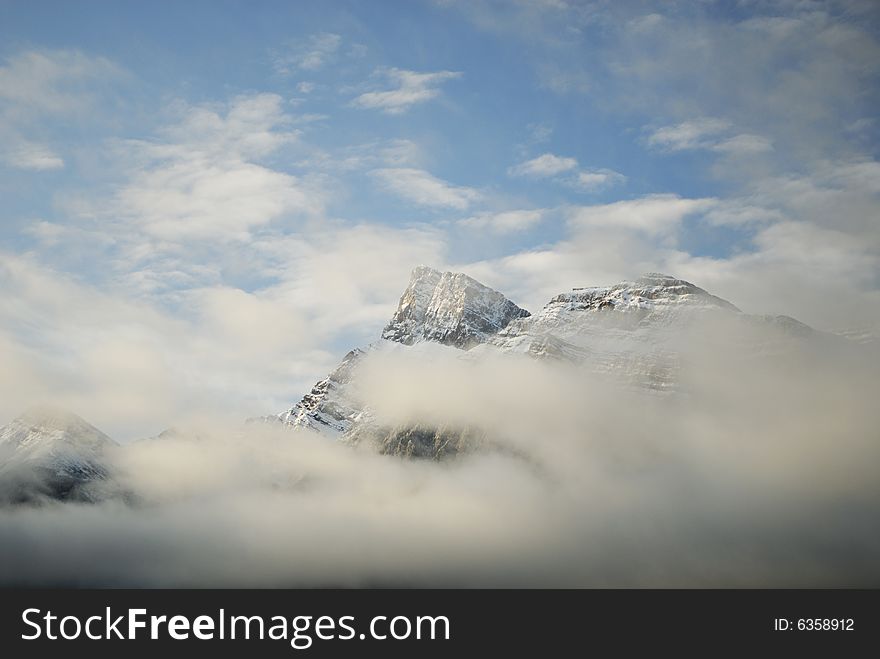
column 651, row 290
column 450, row 308
column 51, row 425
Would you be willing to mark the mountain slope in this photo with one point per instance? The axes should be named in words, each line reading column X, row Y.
column 54, row 453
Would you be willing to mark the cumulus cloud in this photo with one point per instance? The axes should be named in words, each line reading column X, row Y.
column 203, row 178
column 409, row 88
column 424, row 189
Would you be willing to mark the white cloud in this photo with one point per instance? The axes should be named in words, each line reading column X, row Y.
column 305, row 87
column 374, row 154
column 411, row 88
column 596, row 179
column 707, row 134
column 196, row 197
column 744, row 144
column 203, row 180
column 654, row 214
column 565, row 169
column 424, row 189
column 346, row 278
column 246, row 127
column 740, row 214
column 51, row 82
column 309, row 55
column 544, row 166
column 38, row 86
column 35, row 157
column 505, row 221
column 687, row 135
column 218, row 347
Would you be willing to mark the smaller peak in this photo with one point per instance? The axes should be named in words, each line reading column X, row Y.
column 48, row 424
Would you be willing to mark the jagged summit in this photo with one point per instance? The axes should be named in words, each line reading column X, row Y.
column 326, row 408
column 450, row 308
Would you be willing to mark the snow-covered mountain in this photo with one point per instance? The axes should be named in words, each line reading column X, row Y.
column 449, row 308
column 632, row 332
column 48, row 452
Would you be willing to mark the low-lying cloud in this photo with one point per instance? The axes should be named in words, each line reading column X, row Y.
column 761, row 472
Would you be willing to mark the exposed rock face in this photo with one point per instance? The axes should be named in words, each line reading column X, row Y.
column 52, row 453
column 418, row 440
column 328, row 407
column 449, row 308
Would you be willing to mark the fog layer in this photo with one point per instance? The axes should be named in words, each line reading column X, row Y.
column 760, row 471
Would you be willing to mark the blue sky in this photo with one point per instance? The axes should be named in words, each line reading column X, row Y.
column 207, row 203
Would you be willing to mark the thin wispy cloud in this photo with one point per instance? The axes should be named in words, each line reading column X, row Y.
column 51, row 82
column 505, row 221
column 34, row 157
column 43, row 86
column 707, row 134
column 309, row 54
column 654, row 214
column 544, row 166
column 407, row 88
column 566, row 170
column 424, row 189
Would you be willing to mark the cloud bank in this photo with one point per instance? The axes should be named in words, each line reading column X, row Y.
column 761, row 476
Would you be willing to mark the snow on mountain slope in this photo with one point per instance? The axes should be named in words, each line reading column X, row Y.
column 51, row 452
column 628, row 330
column 449, row 308
column 328, row 408
column 634, row 331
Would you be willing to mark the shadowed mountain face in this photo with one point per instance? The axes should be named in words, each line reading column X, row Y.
column 631, row 333
column 52, row 453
